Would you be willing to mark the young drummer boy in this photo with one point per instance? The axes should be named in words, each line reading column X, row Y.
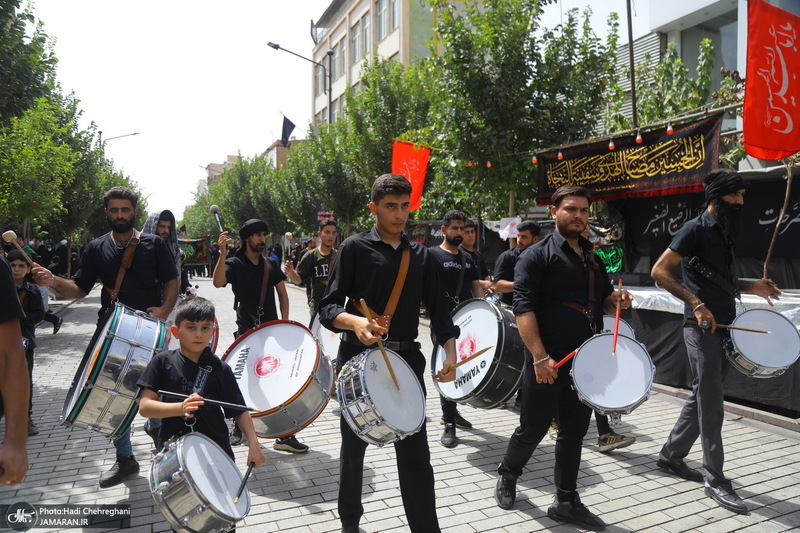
column 194, row 371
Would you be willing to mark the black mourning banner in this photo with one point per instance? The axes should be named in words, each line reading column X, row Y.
column 662, row 164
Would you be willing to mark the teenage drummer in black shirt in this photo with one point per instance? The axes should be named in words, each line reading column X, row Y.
column 366, row 267
column 556, row 312
column 460, row 280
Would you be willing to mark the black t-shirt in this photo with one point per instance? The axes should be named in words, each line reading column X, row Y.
column 483, row 271
column 10, row 309
column 171, row 371
column 152, row 266
column 504, row 270
column 315, row 267
column 449, row 266
column 245, row 279
column 702, row 237
column 548, row 273
column 34, row 311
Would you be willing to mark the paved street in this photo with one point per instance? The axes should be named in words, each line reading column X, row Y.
column 297, row 493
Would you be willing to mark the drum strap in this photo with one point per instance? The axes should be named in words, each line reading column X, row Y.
column 699, row 266
column 385, row 319
column 263, row 296
column 125, row 264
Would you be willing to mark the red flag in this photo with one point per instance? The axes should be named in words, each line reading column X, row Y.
column 771, row 124
column 411, row 160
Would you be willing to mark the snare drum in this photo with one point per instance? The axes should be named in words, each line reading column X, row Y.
column 103, row 395
column 493, row 377
column 624, row 327
column 762, row 355
column 612, row 385
column 282, row 374
column 328, row 340
column 372, row 405
column 193, row 482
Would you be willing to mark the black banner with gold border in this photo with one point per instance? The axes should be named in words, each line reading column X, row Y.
column 662, row 164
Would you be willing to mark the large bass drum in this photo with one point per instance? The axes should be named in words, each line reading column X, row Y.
column 493, row 377
column 104, row 395
column 282, row 373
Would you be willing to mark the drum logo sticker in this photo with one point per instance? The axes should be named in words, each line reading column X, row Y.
column 467, row 347
column 471, row 373
column 241, row 362
column 267, row 365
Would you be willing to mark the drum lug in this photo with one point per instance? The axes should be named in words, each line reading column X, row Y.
column 161, row 487
column 177, row 475
column 159, row 457
column 289, row 416
column 615, row 419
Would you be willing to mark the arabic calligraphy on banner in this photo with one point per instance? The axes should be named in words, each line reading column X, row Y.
column 661, row 164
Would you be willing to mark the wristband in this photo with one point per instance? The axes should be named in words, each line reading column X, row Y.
column 701, row 304
column 540, row 361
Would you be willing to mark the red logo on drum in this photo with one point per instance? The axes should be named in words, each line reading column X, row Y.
column 267, row 365
column 467, row 347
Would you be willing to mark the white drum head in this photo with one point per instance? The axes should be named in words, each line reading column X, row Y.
column 624, row 327
column 777, row 349
column 612, row 382
column 273, row 363
column 214, row 475
column 402, row 409
column 480, row 328
column 328, row 340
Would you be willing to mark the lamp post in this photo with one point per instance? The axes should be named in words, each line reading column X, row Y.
column 100, row 136
column 326, row 70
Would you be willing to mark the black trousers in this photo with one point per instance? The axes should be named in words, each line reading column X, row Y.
column 540, row 404
column 414, row 468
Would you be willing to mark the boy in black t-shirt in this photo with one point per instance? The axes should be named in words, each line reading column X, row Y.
column 195, row 371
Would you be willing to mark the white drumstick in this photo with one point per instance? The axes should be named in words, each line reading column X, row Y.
column 10, row 236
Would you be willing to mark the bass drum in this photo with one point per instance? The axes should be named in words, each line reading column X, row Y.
column 104, row 395
column 281, row 373
column 328, row 340
column 494, row 376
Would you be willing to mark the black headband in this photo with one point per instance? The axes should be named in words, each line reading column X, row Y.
column 727, row 183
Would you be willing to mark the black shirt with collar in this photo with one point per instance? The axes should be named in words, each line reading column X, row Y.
column 504, row 270
column 152, row 266
column 550, row 272
column 245, row 279
column 366, row 267
column 702, row 237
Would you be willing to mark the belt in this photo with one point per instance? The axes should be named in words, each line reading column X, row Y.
column 396, row 346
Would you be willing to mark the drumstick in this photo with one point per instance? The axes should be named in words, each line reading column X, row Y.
column 365, row 310
column 739, row 328
column 567, row 358
column 11, row 237
column 244, row 482
column 178, row 395
column 616, row 322
column 467, row 360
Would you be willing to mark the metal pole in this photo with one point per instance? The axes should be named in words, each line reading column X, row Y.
column 330, row 86
column 633, row 71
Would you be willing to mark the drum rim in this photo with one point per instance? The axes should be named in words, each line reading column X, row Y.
column 493, row 366
column 607, row 410
column 757, row 364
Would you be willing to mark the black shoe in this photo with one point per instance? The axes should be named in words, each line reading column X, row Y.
column 57, row 325
column 449, row 439
column 679, row 468
column 505, row 493
column 236, row 437
column 119, row 472
column 32, row 429
column 461, row 422
column 290, row 444
column 727, row 498
column 576, row 513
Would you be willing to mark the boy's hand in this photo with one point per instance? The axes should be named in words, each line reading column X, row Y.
column 191, row 404
column 255, row 455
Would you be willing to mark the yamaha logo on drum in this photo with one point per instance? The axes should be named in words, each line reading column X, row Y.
column 471, row 373
column 241, row 362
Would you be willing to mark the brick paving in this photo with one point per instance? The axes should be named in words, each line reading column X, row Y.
column 297, row 493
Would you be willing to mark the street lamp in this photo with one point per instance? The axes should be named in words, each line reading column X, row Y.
column 100, row 136
column 326, row 70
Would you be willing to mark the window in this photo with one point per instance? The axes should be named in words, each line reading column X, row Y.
column 394, row 10
column 334, row 110
column 355, row 43
column 382, row 19
column 342, row 56
column 319, row 80
column 366, row 39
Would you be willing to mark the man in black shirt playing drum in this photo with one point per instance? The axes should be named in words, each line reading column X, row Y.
column 459, row 276
column 707, row 239
column 150, row 284
column 560, row 294
column 366, row 268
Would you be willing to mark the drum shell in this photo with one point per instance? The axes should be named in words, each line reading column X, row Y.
column 328, row 341
column 358, row 409
column 587, row 357
column 298, row 410
column 103, row 398
column 179, row 499
column 503, row 376
column 744, row 350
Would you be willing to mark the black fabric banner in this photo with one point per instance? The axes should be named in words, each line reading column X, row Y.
column 661, row 164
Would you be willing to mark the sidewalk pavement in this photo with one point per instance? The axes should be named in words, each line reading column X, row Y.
column 297, row 493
